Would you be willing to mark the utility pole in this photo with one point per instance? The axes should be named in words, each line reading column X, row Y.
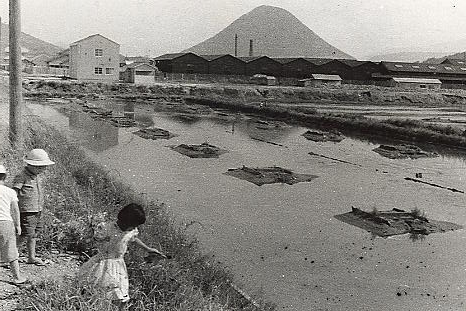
column 1, row 44
column 16, row 133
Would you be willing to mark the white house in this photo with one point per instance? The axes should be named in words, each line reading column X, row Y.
column 95, row 58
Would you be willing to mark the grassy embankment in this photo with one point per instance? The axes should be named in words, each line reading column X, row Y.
column 239, row 99
column 79, row 194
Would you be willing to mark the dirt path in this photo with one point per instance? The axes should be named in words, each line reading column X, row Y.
column 58, row 265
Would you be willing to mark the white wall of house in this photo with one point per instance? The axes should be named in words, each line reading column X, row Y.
column 95, row 58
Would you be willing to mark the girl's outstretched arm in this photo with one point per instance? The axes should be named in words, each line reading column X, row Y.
column 147, row 248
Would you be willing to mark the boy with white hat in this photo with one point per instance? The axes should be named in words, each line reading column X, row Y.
column 9, row 228
column 28, row 186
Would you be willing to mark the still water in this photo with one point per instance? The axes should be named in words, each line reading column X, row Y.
column 281, row 240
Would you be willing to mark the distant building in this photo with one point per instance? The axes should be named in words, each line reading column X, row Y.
column 182, row 63
column 415, row 83
column 61, row 60
column 262, row 65
column 225, row 64
column 263, row 79
column 446, row 73
column 95, row 58
column 320, row 79
column 454, row 61
column 138, row 73
column 296, row 67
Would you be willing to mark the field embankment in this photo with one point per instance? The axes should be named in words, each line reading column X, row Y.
column 80, row 194
column 345, row 94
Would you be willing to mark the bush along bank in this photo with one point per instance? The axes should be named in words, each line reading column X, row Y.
column 80, row 193
column 400, row 129
column 361, row 94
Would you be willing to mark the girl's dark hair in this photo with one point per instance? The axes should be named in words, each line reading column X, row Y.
column 2, row 176
column 132, row 215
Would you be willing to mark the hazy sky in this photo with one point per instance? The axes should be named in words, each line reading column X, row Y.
column 155, row 27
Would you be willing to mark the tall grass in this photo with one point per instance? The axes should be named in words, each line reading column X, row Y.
column 80, row 193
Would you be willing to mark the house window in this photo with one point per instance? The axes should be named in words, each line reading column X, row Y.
column 415, row 66
column 109, row 71
column 448, row 68
column 432, row 67
column 98, row 70
column 398, row 66
column 98, row 52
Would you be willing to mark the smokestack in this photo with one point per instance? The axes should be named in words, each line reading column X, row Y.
column 236, row 45
column 251, row 50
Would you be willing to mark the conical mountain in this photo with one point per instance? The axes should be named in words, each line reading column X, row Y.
column 275, row 33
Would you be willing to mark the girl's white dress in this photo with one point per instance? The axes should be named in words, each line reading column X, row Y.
column 107, row 269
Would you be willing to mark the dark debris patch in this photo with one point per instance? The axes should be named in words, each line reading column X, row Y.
column 154, row 133
column 269, row 175
column 203, row 150
column 321, row 136
column 395, row 222
column 403, row 151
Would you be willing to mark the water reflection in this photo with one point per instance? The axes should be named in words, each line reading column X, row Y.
column 95, row 135
column 264, row 130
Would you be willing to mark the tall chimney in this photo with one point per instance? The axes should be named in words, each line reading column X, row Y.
column 251, row 50
column 236, row 45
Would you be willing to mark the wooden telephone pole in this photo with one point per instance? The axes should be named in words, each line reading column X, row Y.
column 16, row 131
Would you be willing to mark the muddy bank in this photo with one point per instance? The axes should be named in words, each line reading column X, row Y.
column 269, row 175
column 403, row 151
column 395, row 222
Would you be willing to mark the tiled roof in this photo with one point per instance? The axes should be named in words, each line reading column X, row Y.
column 417, row 80
column 171, row 56
column 212, row 57
column 424, row 68
column 317, row 76
column 283, row 60
column 248, row 59
column 318, row 61
column 97, row 34
column 352, row 62
column 456, row 62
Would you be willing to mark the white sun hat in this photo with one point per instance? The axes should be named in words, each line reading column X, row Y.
column 2, row 169
column 38, row 157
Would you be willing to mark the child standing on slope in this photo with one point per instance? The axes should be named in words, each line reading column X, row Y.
column 30, row 191
column 9, row 228
column 107, row 269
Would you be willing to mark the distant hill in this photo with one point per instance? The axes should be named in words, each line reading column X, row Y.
column 409, row 57
column 275, row 33
column 34, row 45
column 438, row 60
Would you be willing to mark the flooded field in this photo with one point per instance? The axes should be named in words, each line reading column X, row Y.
column 283, row 240
column 450, row 115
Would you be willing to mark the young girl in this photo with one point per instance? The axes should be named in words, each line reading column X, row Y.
column 107, row 269
column 9, row 228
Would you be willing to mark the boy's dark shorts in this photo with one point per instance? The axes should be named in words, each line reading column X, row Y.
column 31, row 223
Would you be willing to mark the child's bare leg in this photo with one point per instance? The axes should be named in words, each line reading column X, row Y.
column 17, row 278
column 31, row 245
